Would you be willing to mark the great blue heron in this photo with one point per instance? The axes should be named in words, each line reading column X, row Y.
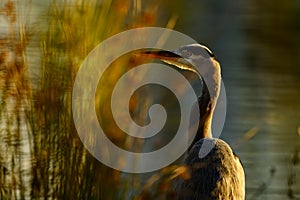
column 219, row 174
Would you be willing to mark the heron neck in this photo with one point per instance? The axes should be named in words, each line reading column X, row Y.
column 207, row 103
column 206, row 113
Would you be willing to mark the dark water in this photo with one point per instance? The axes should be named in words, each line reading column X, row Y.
column 257, row 44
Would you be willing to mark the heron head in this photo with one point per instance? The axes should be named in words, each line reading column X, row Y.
column 193, row 57
column 201, row 58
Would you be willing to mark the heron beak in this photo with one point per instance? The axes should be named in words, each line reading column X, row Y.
column 169, row 57
column 160, row 54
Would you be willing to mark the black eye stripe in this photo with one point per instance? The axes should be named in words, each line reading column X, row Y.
column 196, row 50
column 209, row 53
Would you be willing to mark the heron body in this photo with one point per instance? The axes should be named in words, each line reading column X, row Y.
column 215, row 171
column 218, row 175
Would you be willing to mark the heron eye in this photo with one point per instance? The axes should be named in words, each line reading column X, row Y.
column 186, row 54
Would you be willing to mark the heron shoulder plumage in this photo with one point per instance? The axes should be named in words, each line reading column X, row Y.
column 218, row 175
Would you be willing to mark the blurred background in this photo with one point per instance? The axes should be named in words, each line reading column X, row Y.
column 42, row 44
